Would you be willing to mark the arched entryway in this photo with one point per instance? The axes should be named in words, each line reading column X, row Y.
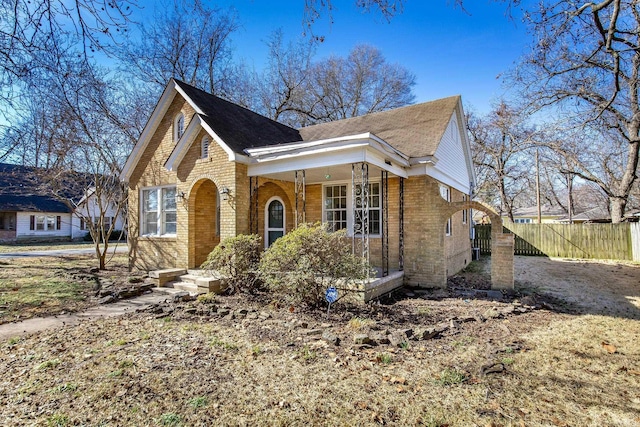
column 501, row 244
column 204, row 221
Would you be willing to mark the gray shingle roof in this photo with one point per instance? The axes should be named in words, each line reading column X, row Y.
column 21, row 191
column 238, row 127
column 415, row 130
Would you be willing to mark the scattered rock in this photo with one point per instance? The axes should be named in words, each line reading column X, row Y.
column 107, row 299
column 492, row 368
column 492, row 313
column 331, row 338
column 362, row 339
column 311, row 332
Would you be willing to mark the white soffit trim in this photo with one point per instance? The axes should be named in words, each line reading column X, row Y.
column 312, row 148
column 233, row 156
column 152, row 124
column 354, row 153
column 183, row 144
column 466, row 143
column 439, row 175
column 189, row 100
column 303, row 147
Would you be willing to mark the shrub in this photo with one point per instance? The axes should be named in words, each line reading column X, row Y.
column 301, row 265
column 236, row 258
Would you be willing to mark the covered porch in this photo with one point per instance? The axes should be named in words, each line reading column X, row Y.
column 354, row 183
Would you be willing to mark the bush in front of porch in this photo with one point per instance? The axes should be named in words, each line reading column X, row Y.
column 236, row 258
column 302, row 264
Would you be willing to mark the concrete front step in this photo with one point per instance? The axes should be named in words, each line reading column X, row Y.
column 212, row 284
column 161, row 277
column 192, row 288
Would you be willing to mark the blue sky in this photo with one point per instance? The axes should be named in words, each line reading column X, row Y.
column 449, row 51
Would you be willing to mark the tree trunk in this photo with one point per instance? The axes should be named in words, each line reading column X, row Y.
column 618, row 205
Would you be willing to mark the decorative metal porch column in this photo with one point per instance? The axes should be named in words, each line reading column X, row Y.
column 401, row 229
column 385, row 223
column 360, row 203
column 253, row 205
column 301, row 198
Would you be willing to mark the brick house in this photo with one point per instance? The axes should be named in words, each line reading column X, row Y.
column 399, row 181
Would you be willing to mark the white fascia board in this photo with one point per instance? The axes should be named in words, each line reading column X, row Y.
column 376, row 160
column 189, row 100
column 273, row 149
column 434, row 172
column 319, row 159
column 466, row 143
column 427, row 160
column 181, row 148
column 366, row 141
column 149, row 129
column 309, row 146
column 233, row 156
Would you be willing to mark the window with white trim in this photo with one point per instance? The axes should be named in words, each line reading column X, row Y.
column 178, row 127
column 274, row 220
column 45, row 222
column 522, row 220
column 204, row 147
column 338, row 209
column 375, row 210
column 465, row 212
column 335, row 206
column 445, row 193
column 158, row 211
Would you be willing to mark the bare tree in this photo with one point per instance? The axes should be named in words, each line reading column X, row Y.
column 190, row 42
column 282, row 87
column 500, row 145
column 82, row 135
column 585, row 64
column 29, row 28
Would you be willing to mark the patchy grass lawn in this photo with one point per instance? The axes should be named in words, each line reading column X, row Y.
column 254, row 361
column 42, row 286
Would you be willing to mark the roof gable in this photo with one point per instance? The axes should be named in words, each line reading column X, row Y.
column 237, row 126
column 234, row 127
column 415, row 130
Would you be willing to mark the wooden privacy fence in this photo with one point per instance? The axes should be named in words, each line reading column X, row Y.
column 596, row 241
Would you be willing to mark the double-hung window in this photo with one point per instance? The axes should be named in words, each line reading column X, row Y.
column 339, row 213
column 335, row 206
column 375, row 211
column 158, row 211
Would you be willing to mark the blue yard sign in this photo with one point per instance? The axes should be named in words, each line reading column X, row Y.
column 331, row 295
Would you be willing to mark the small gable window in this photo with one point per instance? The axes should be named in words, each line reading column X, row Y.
column 204, row 147
column 178, row 127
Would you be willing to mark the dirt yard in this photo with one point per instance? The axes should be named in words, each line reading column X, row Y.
column 562, row 351
column 605, row 287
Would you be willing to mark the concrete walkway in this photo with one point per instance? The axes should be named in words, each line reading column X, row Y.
column 62, row 252
column 37, row 324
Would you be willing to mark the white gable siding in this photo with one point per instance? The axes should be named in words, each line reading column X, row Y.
column 23, row 221
column 452, row 166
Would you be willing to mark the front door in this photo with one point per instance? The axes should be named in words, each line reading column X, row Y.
column 274, row 221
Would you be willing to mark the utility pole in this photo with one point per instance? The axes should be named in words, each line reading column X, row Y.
column 538, row 186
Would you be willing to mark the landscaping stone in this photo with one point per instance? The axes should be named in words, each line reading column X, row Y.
column 310, row 332
column 107, row 299
column 330, row 338
column 362, row 339
column 492, row 313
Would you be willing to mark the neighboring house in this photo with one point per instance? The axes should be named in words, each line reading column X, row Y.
column 398, row 181
column 598, row 214
column 28, row 213
column 529, row 215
